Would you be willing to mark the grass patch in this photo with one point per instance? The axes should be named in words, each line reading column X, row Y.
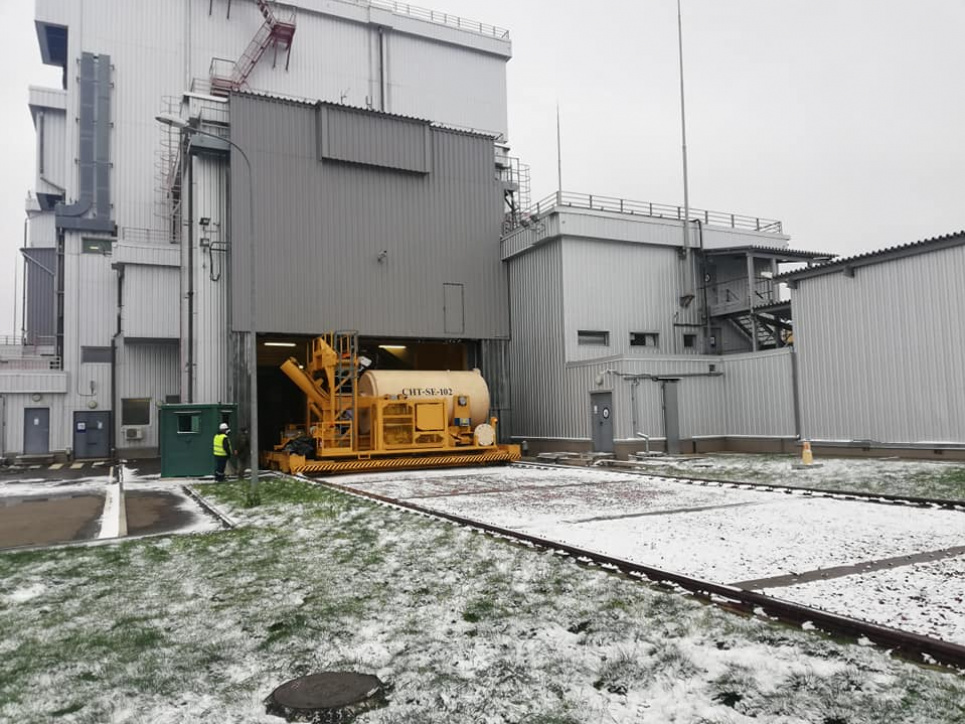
column 465, row 628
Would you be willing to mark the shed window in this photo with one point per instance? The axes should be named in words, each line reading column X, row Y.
column 644, row 339
column 95, row 354
column 690, row 341
column 136, row 411
column 97, row 246
column 189, row 423
column 595, row 337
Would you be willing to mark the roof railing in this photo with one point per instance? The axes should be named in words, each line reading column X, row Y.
column 439, row 18
column 655, row 211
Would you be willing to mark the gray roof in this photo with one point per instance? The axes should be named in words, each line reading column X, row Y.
column 778, row 251
column 849, row 263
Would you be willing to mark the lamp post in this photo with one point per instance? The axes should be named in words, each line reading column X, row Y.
column 178, row 122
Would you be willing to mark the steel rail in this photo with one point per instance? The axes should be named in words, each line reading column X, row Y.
column 949, row 503
column 915, row 647
column 208, row 507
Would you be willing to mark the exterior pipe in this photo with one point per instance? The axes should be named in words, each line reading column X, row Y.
column 117, row 333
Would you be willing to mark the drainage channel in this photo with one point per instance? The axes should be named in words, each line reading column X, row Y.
column 922, row 649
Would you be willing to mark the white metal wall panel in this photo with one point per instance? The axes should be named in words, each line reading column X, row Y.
column 428, row 79
column 332, row 59
column 622, row 288
column 536, row 348
column 52, row 140
column 26, row 381
column 90, row 320
column 151, row 306
column 145, row 371
column 752, row 396
column 209, row 285
column 13, row 407
column 717, row 237
column 43, row 229
column 881, row 353
column 759, row 394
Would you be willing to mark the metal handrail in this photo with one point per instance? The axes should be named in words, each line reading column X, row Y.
column 439, row 18
column 656, row 211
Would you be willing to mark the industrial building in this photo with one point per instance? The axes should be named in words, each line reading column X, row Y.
column 318, row 166
column 881, row 349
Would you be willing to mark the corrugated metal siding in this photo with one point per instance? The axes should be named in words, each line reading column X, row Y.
column 622, row 227
column 622, row 288
column 752, row 396
column 25, row 381
column 145, row 371
column 151, row 307
column 429, row 79
column 43, row 229
column 90, row 320
column 322, row 226
column 210, row 271
column 52, row 125
column 41, row 309
column 362, row 137
column 881, row 354
column 759, row 394
column 13, row 410
column 536, row 348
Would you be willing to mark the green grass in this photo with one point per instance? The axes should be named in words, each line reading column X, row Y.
column 465, row 627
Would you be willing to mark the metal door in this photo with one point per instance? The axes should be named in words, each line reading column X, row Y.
column 36, row 431
column 601, row 421
column 91, row 435
column 453, row 308
column 671, row 416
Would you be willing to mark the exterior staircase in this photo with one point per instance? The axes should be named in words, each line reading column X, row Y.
column 272, row 33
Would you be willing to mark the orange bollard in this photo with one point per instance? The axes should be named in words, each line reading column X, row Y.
column 806, row 457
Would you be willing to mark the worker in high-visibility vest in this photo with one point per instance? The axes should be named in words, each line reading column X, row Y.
column 222, row 451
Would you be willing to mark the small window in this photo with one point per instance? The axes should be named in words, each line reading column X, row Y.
column 95, row 354
column 172, row 399
column 595, row 337
column 189, row 423
column 136, row 411
column 97, row 246
column 644, row 339
column 690, row 341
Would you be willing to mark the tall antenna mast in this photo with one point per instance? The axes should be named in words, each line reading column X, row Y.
column 683, row 132
column 559, row 158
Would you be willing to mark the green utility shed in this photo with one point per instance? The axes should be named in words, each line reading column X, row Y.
column 187, row 436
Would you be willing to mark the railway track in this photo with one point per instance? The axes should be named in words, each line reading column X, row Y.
column 912, row 646
column 948, row 504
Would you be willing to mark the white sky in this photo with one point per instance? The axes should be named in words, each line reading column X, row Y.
column 845, row 119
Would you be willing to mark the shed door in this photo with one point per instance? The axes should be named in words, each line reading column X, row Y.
column 36, row 431
column 91, row 435
column 601, row 421
column 453, row 308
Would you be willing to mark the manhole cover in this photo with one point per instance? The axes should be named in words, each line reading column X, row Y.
column 328, row 698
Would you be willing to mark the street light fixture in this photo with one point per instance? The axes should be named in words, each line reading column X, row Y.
column 174, row 121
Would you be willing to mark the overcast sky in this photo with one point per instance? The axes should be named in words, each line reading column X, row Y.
column 844, row 119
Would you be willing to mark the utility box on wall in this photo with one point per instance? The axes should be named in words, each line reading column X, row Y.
column 187, row 436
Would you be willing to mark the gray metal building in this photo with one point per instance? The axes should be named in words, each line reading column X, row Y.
column 130, row 231
column 881, row 348
column 365, row 221
column 619, row 330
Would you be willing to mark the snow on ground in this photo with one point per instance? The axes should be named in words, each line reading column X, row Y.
column 467, row 629
column 927, row 598
column 719, row 534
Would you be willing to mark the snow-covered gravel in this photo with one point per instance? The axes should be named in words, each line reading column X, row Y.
column 719, row 534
